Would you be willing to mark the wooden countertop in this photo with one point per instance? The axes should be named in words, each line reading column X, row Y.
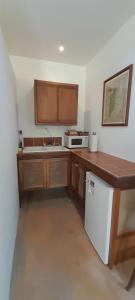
column 42, row 155
column 118, row 172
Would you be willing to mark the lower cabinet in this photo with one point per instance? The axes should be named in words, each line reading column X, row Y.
column 81, row 182
column 52, row 173
column 57, row 172
column 78, row 180
column 74, row 176
column 43, row 173
column 31, row 174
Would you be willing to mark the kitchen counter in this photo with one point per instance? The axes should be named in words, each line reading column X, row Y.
column 35, row 170
column 40, row 155
column 119, row 173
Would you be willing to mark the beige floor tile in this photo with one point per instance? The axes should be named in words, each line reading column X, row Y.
column 54, row 260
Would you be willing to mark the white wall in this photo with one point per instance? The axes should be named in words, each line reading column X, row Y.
column 26, row 70
column 8, row 170
column 117, row 54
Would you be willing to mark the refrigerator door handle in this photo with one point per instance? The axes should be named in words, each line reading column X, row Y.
column 91, row 187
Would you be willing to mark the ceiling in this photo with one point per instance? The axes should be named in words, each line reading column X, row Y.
column 36, row 28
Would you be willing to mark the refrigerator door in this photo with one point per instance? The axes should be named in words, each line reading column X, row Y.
column 98, row 210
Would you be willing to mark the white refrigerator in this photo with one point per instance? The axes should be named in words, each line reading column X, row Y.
column 98, row 211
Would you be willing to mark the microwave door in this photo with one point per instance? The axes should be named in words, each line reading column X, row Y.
column 76, row 142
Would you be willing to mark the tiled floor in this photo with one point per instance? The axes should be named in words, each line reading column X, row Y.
column 54, row 260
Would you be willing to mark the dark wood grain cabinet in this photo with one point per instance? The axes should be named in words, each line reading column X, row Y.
column 55, row 103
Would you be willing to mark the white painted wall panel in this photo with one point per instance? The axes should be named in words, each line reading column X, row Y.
column 117, row 54
column 26, row 70
column 8, row 170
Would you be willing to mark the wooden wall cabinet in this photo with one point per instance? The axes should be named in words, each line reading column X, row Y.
column 46, row 102
column 55, row 103
column 67, row 104
column 43, row 173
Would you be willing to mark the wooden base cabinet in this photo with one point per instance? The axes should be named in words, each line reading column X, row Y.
column 78, row 181
column 31, row 174
column 74, row 176
column 81, row 182
column 43, row 173
column 57, row 172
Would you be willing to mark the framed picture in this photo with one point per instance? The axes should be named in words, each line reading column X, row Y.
column 116, row 98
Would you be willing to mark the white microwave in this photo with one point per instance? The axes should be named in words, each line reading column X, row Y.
column 76, row 141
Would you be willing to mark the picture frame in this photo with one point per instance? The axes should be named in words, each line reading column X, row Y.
column 116, row 98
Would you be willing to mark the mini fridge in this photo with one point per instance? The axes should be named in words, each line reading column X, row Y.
column 98, row 212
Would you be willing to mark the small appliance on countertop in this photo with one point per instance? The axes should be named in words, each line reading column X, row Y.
column 93, row 142
column 76, row 139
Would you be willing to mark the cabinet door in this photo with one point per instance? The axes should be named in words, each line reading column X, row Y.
column 46, row 102
column 78, row 179
column 81, row 182
column 57, row 172
column 67, row 104
column 31, row 174
column 74, row 175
